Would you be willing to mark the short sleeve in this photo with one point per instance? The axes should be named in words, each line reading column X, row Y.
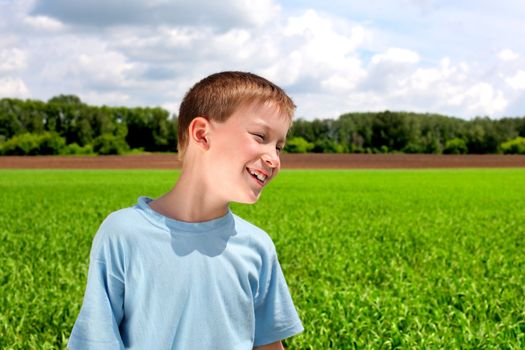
column 275, row 314
column 97, row 325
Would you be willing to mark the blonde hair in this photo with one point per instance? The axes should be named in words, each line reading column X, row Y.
column 217, row 96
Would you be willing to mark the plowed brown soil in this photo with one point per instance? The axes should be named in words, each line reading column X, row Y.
column 289, row 161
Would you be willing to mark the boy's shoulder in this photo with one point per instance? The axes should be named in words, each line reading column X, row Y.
column 118, row 226
column 246, row 225
column 254, row 234
column 121, row 220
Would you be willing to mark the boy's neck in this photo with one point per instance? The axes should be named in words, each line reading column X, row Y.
column 189, row 201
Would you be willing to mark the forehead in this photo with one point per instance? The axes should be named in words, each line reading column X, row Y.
column 266, row 116
column 263, row 113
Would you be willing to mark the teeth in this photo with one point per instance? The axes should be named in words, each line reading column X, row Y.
column 261, row 177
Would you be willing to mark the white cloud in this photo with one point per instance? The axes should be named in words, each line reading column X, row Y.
column 321, row 38
column 43, row 23
column 507, row 55
column 396, row 56
column 102, row 14
column 517, row 81
column 171, row 107
column 442, row 77
column 337, row 83
column 388, row 70
column 445, row 87
column 180, row 46
column 137, row 52
column 105, row 67
column 12, row 59
column 257, row 12
column 287, row 70
column 320, row 52
column 83, row 64
column 106, row 98
column 13, row 87
column 482, row 98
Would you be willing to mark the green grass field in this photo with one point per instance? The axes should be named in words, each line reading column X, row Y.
column 390, row 259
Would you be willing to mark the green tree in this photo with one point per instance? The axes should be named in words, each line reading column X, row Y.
column 66, row 114
column 515, row 146
column 172, row 134
column 65, row 100
column 21, row 145
column 302, row 128
column 75, row 149
column 455, row 146
column 327, row 146
column 394, row 130
column 51, row 143
column 109, row 144
column 10, row 125
column 298, row 145
column 33, row 144
column 150, row 129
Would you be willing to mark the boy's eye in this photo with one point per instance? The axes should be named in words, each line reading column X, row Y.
column 261, row 136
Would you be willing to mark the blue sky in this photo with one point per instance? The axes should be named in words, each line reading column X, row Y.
column 460, row 58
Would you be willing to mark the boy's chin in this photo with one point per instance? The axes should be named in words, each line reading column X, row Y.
column 247, row 200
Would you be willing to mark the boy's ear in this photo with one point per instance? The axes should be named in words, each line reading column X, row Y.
column 198, row 132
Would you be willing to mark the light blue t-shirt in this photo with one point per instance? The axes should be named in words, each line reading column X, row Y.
column 158, row 283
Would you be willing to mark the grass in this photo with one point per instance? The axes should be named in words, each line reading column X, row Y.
column 384, row 259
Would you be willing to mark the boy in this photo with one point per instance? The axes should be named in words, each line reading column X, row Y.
column 182, row 271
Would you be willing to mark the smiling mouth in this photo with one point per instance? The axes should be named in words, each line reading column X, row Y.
column 258, row 176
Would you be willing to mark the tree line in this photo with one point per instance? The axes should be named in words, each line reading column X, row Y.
column 407, row 132
column 66, row 125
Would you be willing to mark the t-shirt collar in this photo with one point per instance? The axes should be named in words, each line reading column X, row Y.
column 221, row 223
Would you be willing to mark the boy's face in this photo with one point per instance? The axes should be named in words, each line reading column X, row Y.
column 244, row 152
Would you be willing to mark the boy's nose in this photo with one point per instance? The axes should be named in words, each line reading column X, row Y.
column 272, row 159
